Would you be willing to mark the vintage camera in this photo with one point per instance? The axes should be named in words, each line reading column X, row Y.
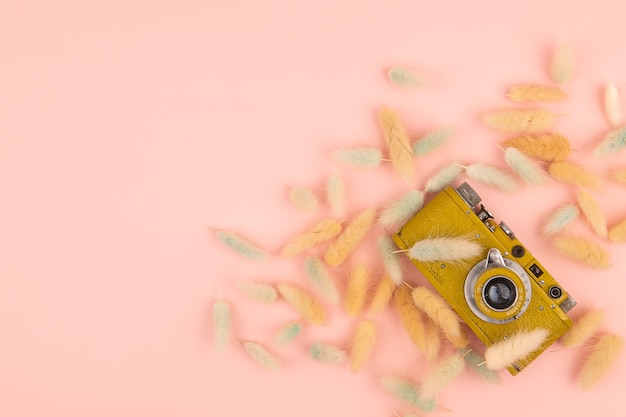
column 503, row 291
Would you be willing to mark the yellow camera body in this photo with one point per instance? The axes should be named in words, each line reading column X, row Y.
column 503, row 291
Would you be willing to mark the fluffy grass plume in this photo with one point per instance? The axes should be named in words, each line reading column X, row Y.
column 444, row 177
column 444, row 373
column 400, row 151
column 362, row 157
column 573, row 173
column 405, row 77
column 259, row 354
column 583, row 250
column 444, row 249
column 356, row 290
column 525, row 167
column 439, row 311
column 320, row 278
column 382, row 295
column 288, row 333
column 362, row 344
column 613, row 142
column 617, row 233
column 491, row 176
column 327, row 353
column 523, row 120
column 433, row 344
column 401, row 210
column 613, row 107
column 516, row 347
column 593, row 213
column 533, row 92
column 411, row 317
column 604, row 353
column 336, row 195
column 560, row 219
column 431, row 142
column 259, row 291
column 391, row 260
column 222, row 324
column 320, row 233
column 585, row 326
column 303, row 302
column 562, row 64
column 546, row 146
column 353, row 234
column 476, row 362
column 620, row 175
column 240, row 245
column 304, row 198
column 408, row 391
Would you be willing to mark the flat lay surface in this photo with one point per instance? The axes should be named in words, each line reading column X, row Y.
column 131, row 130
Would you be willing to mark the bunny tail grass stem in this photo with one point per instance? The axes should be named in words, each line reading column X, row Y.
column 288, row 333
column 382, row 295
column 593, row 213
column 585, row 326
column 319, row 233
column 304, row 198
column 613, row 142
column 411, row 317
column 308, row 307
column 522, row 120
column 431, row 142
column 397, row 141
column 525, row 167
column 477, row 363
column 545, row 146
column 583, row 250
column 259, row 354
column 322, row 281
column 604, row 353
column 240, row 245
column 444, row 177
column 353, row 234
column 407, row 391
column 562, row 64
column 336, row 196
column 222, row 324
column 491, row 176
column 362, row 344
column 356, row 290
column 533, row 92
column 439, row 311
column 572, row 173
column 613, row 107
column 327, row 353
column 561, row 218
column 443, row 374
column 401, row 210
column 617, row 233
column 444, row 249
column 516, row 347
column 405, row 77
column 362, row 157
column 259, row 291
column 391, row 261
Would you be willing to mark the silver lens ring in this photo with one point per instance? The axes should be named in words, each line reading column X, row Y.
column 477, row 271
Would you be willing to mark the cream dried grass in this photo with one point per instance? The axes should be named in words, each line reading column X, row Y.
column 353, row 234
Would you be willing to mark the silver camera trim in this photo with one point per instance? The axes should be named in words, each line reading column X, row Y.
column 494, row 259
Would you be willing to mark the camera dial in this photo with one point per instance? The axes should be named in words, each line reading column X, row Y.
column 497, row 290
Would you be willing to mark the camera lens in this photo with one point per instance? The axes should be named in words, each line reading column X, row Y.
column 500, row 293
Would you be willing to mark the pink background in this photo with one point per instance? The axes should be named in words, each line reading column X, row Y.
column 129, row 127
